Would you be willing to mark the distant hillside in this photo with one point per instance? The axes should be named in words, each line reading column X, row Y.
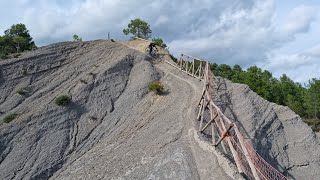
column 305, row 101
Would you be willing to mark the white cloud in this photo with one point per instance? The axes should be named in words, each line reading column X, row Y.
column 299, row 20
column 299, row 66
column 244, row 32
column 161, row 20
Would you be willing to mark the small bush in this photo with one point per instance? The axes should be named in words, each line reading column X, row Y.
column 312, row 121
column 157, row 87
column 9, row 118
column 159, row 42
column 63, row 100
column 24, row 72
column 21, row 91
column 4, row 56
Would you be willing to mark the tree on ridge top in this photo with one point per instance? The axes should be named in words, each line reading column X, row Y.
column 138, row 28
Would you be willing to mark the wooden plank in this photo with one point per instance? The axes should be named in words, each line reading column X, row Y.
column 213, row 133
column 200, row 109
column 233, row 151
column 191, row 57
column 245, row 151
column 222, row 143
column 218, row 109
column 202, row 112
column 193, row 67
column 200, row 69
column 177, row 66
column 224, row 135
column 212, row 124
column 195, row 74
column 212, row 119
column 187, row 63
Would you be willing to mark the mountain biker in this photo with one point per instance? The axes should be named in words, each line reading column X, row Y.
column 152, row 46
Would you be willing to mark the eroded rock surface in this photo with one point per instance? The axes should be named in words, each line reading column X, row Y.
column 112, row 129
column 278, row 134
column 105, row 81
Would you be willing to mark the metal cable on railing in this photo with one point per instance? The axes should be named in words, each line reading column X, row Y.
column 248, row 161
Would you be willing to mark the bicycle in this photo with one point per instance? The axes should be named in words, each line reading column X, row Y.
column 153, row 53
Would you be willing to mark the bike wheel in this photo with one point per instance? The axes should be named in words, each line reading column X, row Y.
column 147, row 50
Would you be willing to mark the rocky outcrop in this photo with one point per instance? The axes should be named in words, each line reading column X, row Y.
column 104, row 79
column 112, row 129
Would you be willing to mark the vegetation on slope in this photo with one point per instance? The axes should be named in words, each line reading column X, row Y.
column 304, row 100
column 16, row 39
column 9, row 118
column 62, row 100
column 157, row 87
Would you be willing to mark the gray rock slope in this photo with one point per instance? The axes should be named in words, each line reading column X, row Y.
column 105, row 81
column 113, row 129
column 278, row 134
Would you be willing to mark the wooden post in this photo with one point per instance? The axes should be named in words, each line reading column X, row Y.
column 233, row 151
column 193, row 67
column 245, row 151
column 200, row 109
column 222, row 143
column 212, row 119
column 187, row 63
column 213, row 134
column 200, row 69
column 224, row 135
column 202, row 112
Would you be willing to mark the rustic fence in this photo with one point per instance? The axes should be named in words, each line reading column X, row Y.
column 221, row 131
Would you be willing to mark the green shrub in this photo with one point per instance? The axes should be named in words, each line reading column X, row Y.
column 9, row 118
column 159, row 42
column 157, row 87
column 63, row 100
column 312, row 121
column 21, row 91
column 4, row 56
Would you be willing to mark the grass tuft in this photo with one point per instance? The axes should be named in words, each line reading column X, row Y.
column 62, row 100
column 9, row 118
column 157, row 87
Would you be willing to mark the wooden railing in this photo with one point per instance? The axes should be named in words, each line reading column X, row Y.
column 223, row 132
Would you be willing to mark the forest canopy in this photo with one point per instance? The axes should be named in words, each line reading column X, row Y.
column 15, row 39
column 302, row 99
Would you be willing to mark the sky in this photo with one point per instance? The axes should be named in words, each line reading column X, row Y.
column 281, row 36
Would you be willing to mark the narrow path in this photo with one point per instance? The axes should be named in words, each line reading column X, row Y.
column 208, row 166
